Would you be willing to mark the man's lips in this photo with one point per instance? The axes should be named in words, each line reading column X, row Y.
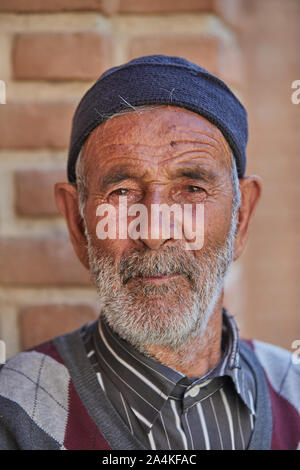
column 156, row 279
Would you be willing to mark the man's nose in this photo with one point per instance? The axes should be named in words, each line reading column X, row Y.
column 154, row 243
column 159, row 226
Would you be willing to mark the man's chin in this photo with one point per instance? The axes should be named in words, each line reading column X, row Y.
column 172, row 329
column 153, row 318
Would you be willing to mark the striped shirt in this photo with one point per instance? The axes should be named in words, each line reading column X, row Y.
column 163, row 408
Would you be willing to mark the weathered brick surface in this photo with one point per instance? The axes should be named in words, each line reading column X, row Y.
column 164, row 6
column 39, row 323
column 228, row 10
column 28, row 6
column 40, row 262
column 107, row 6
column 34, row 191
column 198, row 48
column 61, row 56
column 35, row 125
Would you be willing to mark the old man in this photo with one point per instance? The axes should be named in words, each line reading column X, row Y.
column 163, row 367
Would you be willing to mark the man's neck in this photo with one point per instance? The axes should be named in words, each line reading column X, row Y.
column 200, row 355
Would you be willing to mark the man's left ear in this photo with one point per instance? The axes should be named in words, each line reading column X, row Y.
column 251, row 188
column 66, row 197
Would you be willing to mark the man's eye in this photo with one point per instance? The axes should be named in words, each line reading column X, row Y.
column 194, row 189
column 120, row 192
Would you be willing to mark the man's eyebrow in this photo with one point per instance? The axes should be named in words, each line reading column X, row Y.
column 195, row 172
column 116, row 175
column 119, row 174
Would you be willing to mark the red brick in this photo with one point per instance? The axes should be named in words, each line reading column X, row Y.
column 34, row 191
column 40, row 323
column 164, row 6
column 41, row 125
column 202, row 50
column 28, row 6
column 61, row 56
column 107, row 6
column 40, row 262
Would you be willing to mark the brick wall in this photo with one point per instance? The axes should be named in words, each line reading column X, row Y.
column 51, row 52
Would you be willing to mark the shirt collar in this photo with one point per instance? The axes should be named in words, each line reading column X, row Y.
column 232, row 366
column 146, row 384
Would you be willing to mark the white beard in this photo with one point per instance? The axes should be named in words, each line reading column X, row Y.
column 169, row 314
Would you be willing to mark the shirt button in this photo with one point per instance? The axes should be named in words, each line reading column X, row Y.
column 193, row 392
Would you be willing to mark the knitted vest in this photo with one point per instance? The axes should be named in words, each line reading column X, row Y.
column 50, row 399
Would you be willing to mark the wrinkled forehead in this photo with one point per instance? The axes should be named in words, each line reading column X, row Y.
column 157, row 124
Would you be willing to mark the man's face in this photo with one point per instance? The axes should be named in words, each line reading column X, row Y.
column 155, row 291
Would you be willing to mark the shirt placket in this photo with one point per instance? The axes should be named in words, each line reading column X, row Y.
column 193, row 418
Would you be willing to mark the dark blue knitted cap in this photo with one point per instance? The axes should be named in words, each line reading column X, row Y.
column 159, row 79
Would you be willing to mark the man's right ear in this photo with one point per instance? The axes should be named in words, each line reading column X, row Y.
column 66, row 197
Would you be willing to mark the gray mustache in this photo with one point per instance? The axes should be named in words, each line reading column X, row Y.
column 169, row 262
